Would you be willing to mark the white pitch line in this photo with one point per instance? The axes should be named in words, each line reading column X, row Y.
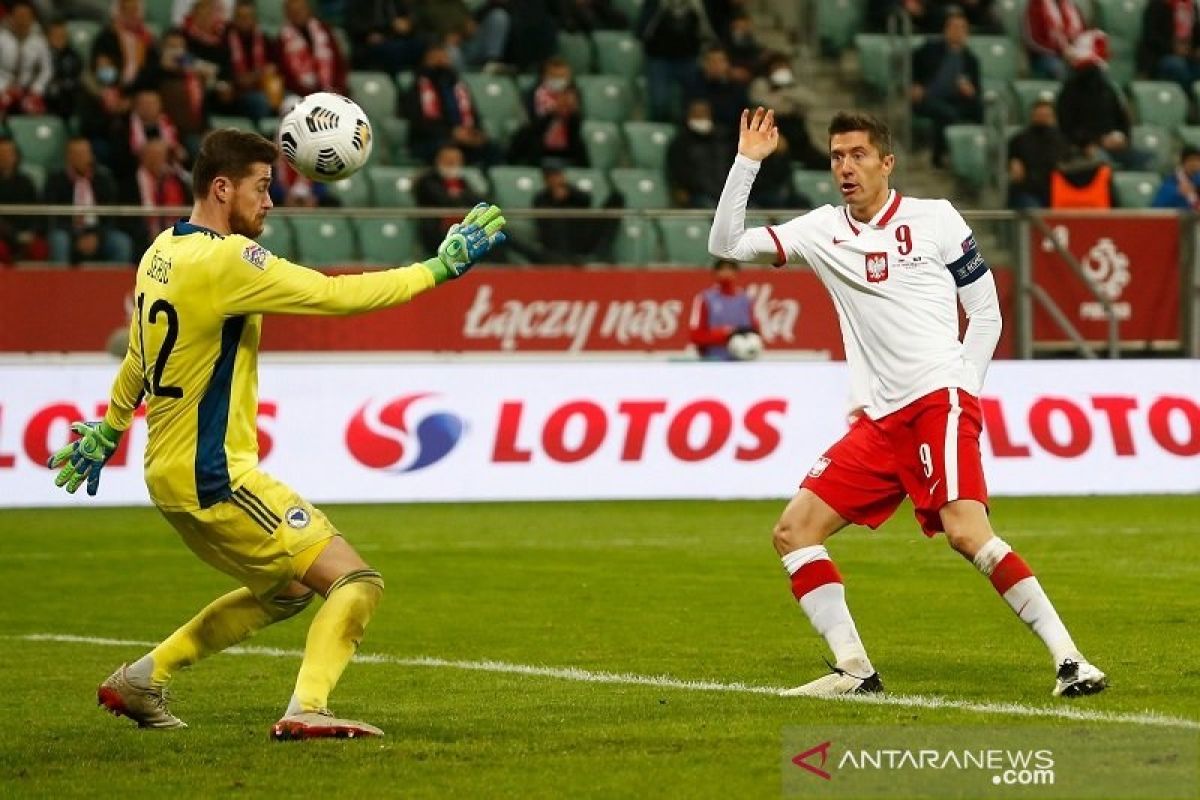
column 933, row 702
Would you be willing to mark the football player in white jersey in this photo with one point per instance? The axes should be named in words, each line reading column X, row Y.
column 896, row 269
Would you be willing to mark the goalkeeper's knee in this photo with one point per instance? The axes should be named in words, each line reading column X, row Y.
column 365, row 576
column 282, row 607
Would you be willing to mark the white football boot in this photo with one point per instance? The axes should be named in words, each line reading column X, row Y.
column 1077, row 678
column 146, row 705
column 838, row 682
column 320, row 725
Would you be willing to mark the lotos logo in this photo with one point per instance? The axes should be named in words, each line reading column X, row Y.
column 392, row 438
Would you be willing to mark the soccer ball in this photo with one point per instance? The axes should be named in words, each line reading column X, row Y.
column 745, row 346
column 326, row 137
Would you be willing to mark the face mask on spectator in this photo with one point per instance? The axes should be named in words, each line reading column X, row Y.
column 782, row 77
column 557, row 84
column 701, row 126
column 106, row 75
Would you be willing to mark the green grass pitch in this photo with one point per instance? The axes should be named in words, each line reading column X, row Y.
column 688, row 590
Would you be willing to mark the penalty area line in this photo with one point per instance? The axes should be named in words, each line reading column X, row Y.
column 1145, row 718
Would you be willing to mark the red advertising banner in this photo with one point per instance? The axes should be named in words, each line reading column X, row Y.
column 1135, row 262
column 498, row 310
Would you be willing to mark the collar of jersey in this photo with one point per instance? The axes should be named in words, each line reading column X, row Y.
column 881, row 218
column 184, row 227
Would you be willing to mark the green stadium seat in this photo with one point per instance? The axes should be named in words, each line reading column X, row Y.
column 997, row 56
column 630, row 8
column 576, row 48
column 497, row 102
column 82, row 32
column 1030, row 91
column 158, row 14
column 602, row 141
column 969, row 149
column 642, row 188
column 685, row 241
column 36, row 173
column 636, row 242
column 618, row 53
column 386, row 242
column 354, row 191
column 605, row 97
column 1135, row 189
column 648, row 143
column 269, row 126
column 230, row 121
column 41, row 138
column 324, row 242
column 514, row 187
column 1160, row 103
column 817, row 186
column 1156, row 140
column 1121, row 19
column 393, row 186
column 874, row 60
column 592, row 181
column 1122, row 62
column 998, row 95
column 405, row 81
column 391, row 140
column 1189, row 134
column 277, row 237
column 375, row 92
column 837, row 21
column 477, row 180
column 1010, row 14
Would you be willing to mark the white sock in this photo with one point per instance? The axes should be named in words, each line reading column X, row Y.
column 818, row 587
column 1020, row 589
column 141, row 671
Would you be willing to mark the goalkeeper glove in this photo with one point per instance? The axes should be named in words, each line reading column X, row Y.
column 86, row 456
column 467, row 242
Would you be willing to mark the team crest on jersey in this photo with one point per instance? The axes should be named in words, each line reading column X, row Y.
column 256, row 255
column 877, row 267
column 819, row 467
column 297, row 517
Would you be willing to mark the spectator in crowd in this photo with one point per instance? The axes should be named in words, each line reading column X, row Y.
column 181, row 8
column 1033, row 154
column 1169, row 49
column 778, row 89
column 981, row 16
column 290, row 188
column 311, row 60
column 1093, row 114
column 207, row 48
column 85, row 237
column 555, row 120
column 563, row 240
column 181, row 85
column 672, row 33
column 20, row 236
column 102, row 104
column 441, row 112
column 773, row 186
column 26, row 67
column 127, row 44
column 745, row 53
column 585, row 16
column 535, row 38
column 382, row 35
column 1048, row 28
column 252, row 57
column 66, row 81
column 725, row 96
column 720, row 311
column 946, row 82
column 157, row 183
column 146, row 121
column 698, row 158
column 927, row 15
column 1181, row 188
column 1083, row 181
column 443, row 186
column 479, row 41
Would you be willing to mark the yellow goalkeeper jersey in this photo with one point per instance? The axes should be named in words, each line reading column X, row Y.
column 193, row 351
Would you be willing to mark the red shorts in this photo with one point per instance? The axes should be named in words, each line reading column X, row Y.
column 928, row 450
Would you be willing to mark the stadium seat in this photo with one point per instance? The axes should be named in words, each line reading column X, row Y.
column 605, row 97
column 997, row 56
column 592, row 181
column 1121, row 19
column 576, row 48
column 1135, row 189
column 391, row 140
column 648, row 143
column 969, row 153
column 42, row 139
column 603, row 143
column 1189, row 134
column 269, row 126
column 1156, row 140
column 497, row 103
column 618, row 53
column 998, row 96
column 324, row 242
column 685, row 241
column 277, row 237
column 874, row 60
column 642, row 188
column 817, row 186
column 1010, row 14
column 1030, row 91
column 393, row 186
column 385, row 242
column 36, row 173
column 159, row 15
column 230, row 121
column 82, row 32
column 375, row 92
column 514, row 187
column 630, row 8
column 837, row 21
column 354, row 191
column 477, row 180
column 1160, row 103
column 636, row 242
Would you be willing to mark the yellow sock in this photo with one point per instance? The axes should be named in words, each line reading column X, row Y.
column 333, row 637
column 224, row 622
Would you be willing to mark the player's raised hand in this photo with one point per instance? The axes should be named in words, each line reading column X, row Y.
column 757, row 136
column 83, row 458
column 469, row 241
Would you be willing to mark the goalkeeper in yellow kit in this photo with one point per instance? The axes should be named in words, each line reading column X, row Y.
column 201, row 290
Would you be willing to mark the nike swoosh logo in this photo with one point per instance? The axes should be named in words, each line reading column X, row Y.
column 933, row 488
column 839, row 241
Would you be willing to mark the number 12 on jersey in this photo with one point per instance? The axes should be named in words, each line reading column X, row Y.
column 159, row 309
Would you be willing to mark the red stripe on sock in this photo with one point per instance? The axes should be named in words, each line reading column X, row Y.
column 1011, row 570
column 814, row 574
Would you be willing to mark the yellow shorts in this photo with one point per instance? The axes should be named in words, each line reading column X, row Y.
column 265, row 535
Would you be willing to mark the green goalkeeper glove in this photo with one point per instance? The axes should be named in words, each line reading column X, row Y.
column 467, row 242
column 86, row 456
